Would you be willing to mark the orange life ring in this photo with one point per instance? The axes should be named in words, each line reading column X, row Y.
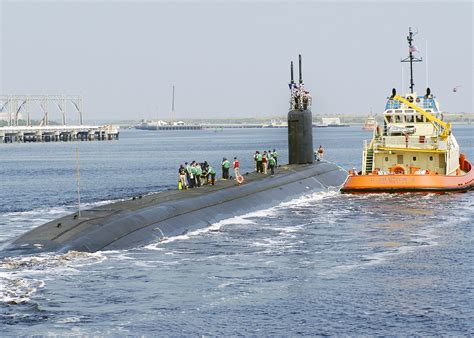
column 397, row 169
column 240, row 179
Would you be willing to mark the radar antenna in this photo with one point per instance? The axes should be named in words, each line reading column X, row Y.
column 411, row 49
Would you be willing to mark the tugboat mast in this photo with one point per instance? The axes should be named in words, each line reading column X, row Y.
column 411, row 58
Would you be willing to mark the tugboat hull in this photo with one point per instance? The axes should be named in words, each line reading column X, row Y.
column 373, row 183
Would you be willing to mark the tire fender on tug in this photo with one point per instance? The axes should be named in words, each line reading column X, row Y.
column 397, row 169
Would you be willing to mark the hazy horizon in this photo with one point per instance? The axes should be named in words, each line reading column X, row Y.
column 232, row 59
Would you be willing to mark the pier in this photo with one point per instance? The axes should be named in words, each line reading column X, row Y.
column 28, row 120
column 158, row 126
column 23, row 134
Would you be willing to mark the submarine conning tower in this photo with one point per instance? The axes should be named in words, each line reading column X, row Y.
column 300, row 121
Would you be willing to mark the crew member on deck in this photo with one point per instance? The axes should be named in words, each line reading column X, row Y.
column 320, row 153
column 236, row 165
column 255, row 159
column 264, row 162
column 182, row 177
column 212, row 173
column 271, row 165
column 205, row 172
column 192, row 175
column 188, row 172
column 275, row 156
column 259, row 162
column 225, row 168
column 198, row 174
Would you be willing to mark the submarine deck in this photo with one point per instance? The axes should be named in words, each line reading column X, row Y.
column 132, row 221
column 143, row 201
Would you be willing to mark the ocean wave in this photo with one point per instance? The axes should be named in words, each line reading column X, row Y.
column 16, row 282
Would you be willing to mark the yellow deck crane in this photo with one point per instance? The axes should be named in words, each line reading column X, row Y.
column 436, row 122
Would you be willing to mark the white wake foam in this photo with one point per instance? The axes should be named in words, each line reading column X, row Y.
column 17, row 284
column 249, row 218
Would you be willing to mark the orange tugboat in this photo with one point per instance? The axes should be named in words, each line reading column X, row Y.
column 414, row 151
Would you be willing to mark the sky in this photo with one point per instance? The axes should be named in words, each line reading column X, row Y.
column 231, row 58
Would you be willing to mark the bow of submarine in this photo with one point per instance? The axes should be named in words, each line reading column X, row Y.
column 136, row 222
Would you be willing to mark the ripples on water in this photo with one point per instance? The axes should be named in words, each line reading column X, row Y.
column 322, row 264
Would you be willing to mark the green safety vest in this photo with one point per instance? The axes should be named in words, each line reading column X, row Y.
column 259, row 157
column 193, row 170
column 275, row 154
column 272, row 161
column 212, row 171
column 226, row 164
column 198, row 171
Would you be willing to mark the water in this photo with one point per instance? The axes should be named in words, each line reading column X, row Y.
column 322, row 264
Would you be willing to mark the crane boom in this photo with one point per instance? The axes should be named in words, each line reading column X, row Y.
column 433, row 119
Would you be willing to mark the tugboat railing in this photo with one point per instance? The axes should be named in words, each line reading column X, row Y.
column 401, row 143
column 364, row 157
column 418, row 143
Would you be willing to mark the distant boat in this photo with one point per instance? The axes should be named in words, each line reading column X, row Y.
column 277, row 124
column 330, row 122
column 370, row 123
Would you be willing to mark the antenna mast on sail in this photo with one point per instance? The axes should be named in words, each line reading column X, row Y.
column 411, row 49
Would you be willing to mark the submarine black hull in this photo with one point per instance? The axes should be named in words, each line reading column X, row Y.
column 140, row 221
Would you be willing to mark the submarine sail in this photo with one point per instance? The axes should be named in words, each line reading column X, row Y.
column 300, row 122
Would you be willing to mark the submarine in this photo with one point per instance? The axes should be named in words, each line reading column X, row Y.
column 142, row 220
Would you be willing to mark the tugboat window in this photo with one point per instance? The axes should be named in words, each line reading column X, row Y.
column 419, row 118
column 414, row 158
column 409, row 118
column 389, row 118
column 399, row 159
column 398, row 118
column 386, row 159
column 431, row 158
